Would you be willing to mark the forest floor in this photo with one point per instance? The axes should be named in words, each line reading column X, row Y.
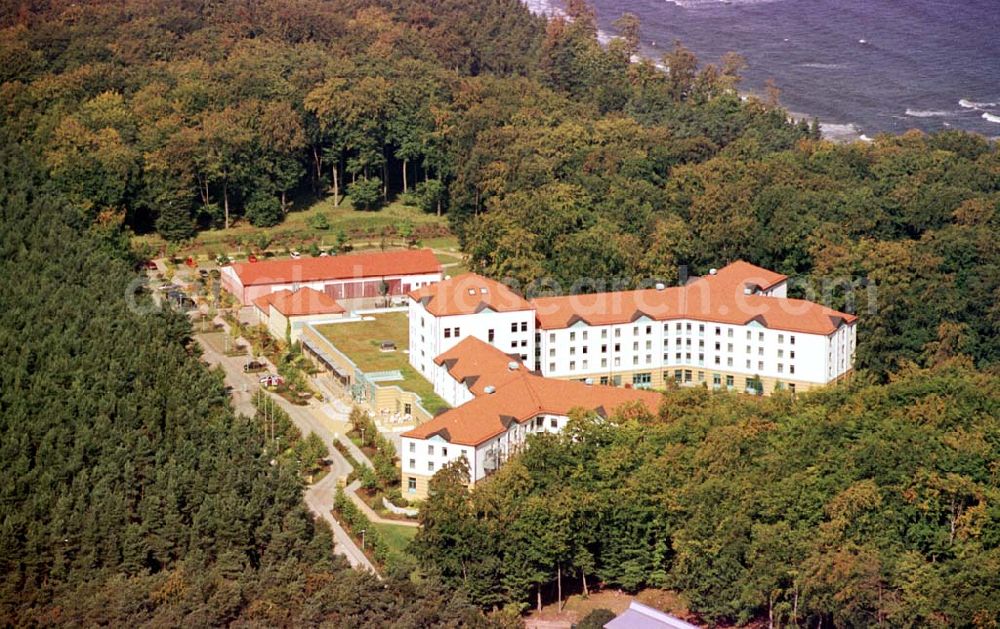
column 576, row 606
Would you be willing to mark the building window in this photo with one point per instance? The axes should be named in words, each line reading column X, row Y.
column 748, row 363
column 552, row 337
column 430, row 450
column 730, row 333
column 618, row 347
column 760, row 365
column 718, row 331
column 791, row 355
column 729, row 347
column 748, row 335
column 677, row 357
column 572, row 365
column 552, row 367
column 716, row 380
column 444, row 451
column 457, row 332
column 604, row 333
column 604, row 362
column 430, row 466
column 552, row 352
column 618, row 332
column 791, row 368
column 760, row 350
column 687, row 327
column 524, row 343
column 513, row 344
column 729, row 362
column 407, row 408
column 760, row 337
column 513, row 327
column 642, row 379
column 701, row 328
column 572, row 351
column 447, row 333
column 677, row 327
column 635, row 360
column 717, row 361
column 604, row 349
column 413, row 447
column 649, row 344
column 538, row 422
column 781, row 338
column 678, row 376
column 781, row 368
column 649, row 359
column 791, row 339
column 411, row 484
column 492, row 335
column 524, row 326
column 413, row 464
column 687, row 375
column 553, row 422
column 584, row 335
column 635, row 346
column 572, row 336
column 781, row 353
column 718, row 347
column 618, row 361
column 649, row 329
column 729, row 381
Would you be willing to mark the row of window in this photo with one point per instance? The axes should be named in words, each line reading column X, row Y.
column 679, row 327
column 584, row 365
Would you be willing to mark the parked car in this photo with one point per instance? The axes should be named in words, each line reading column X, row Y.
column 254, row 365
column 271, row 380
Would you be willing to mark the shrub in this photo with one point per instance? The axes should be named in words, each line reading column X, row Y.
column 366, row 194
column 263, row 210
column 319, row 221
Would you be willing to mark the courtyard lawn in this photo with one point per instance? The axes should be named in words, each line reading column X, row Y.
column 360, row 341
column 396, row 537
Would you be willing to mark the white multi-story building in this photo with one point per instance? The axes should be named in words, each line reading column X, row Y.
column 442, row 314
column 733, row 329
column 501, row 404
column 478, row 343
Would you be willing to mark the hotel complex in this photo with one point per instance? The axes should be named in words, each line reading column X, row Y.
column 513, row 367
column 734, row 328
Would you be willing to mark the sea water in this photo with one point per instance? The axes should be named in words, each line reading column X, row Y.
column 861, row 66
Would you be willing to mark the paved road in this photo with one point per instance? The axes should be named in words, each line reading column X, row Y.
column 310, row 418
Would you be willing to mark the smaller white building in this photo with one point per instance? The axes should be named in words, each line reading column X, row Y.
column 506, row 403
column 469, row 305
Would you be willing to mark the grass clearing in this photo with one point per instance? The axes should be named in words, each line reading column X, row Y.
column 298, row 231
column 396, row 537
column 360, row 341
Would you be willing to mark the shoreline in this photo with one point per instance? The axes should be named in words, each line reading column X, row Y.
column 838, row 132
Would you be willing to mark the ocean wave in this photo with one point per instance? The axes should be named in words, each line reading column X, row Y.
column 543, row 7
column 823, row 66
column 701, row 4
column 991, row 117
column 922, row 113
column 971, row 104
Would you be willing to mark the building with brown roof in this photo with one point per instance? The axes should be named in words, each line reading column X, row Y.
column 347, row 277
column 285, row 312
column 506, row 403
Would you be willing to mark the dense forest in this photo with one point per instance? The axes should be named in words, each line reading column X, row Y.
column 878, row 505
column 135, row 495
column 132, row 492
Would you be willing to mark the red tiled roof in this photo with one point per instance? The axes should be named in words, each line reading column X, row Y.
column 354, row 266
column 468, row 294
column 522, row 398
column 305, row 301
column 477, row 364
column 719, row 298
